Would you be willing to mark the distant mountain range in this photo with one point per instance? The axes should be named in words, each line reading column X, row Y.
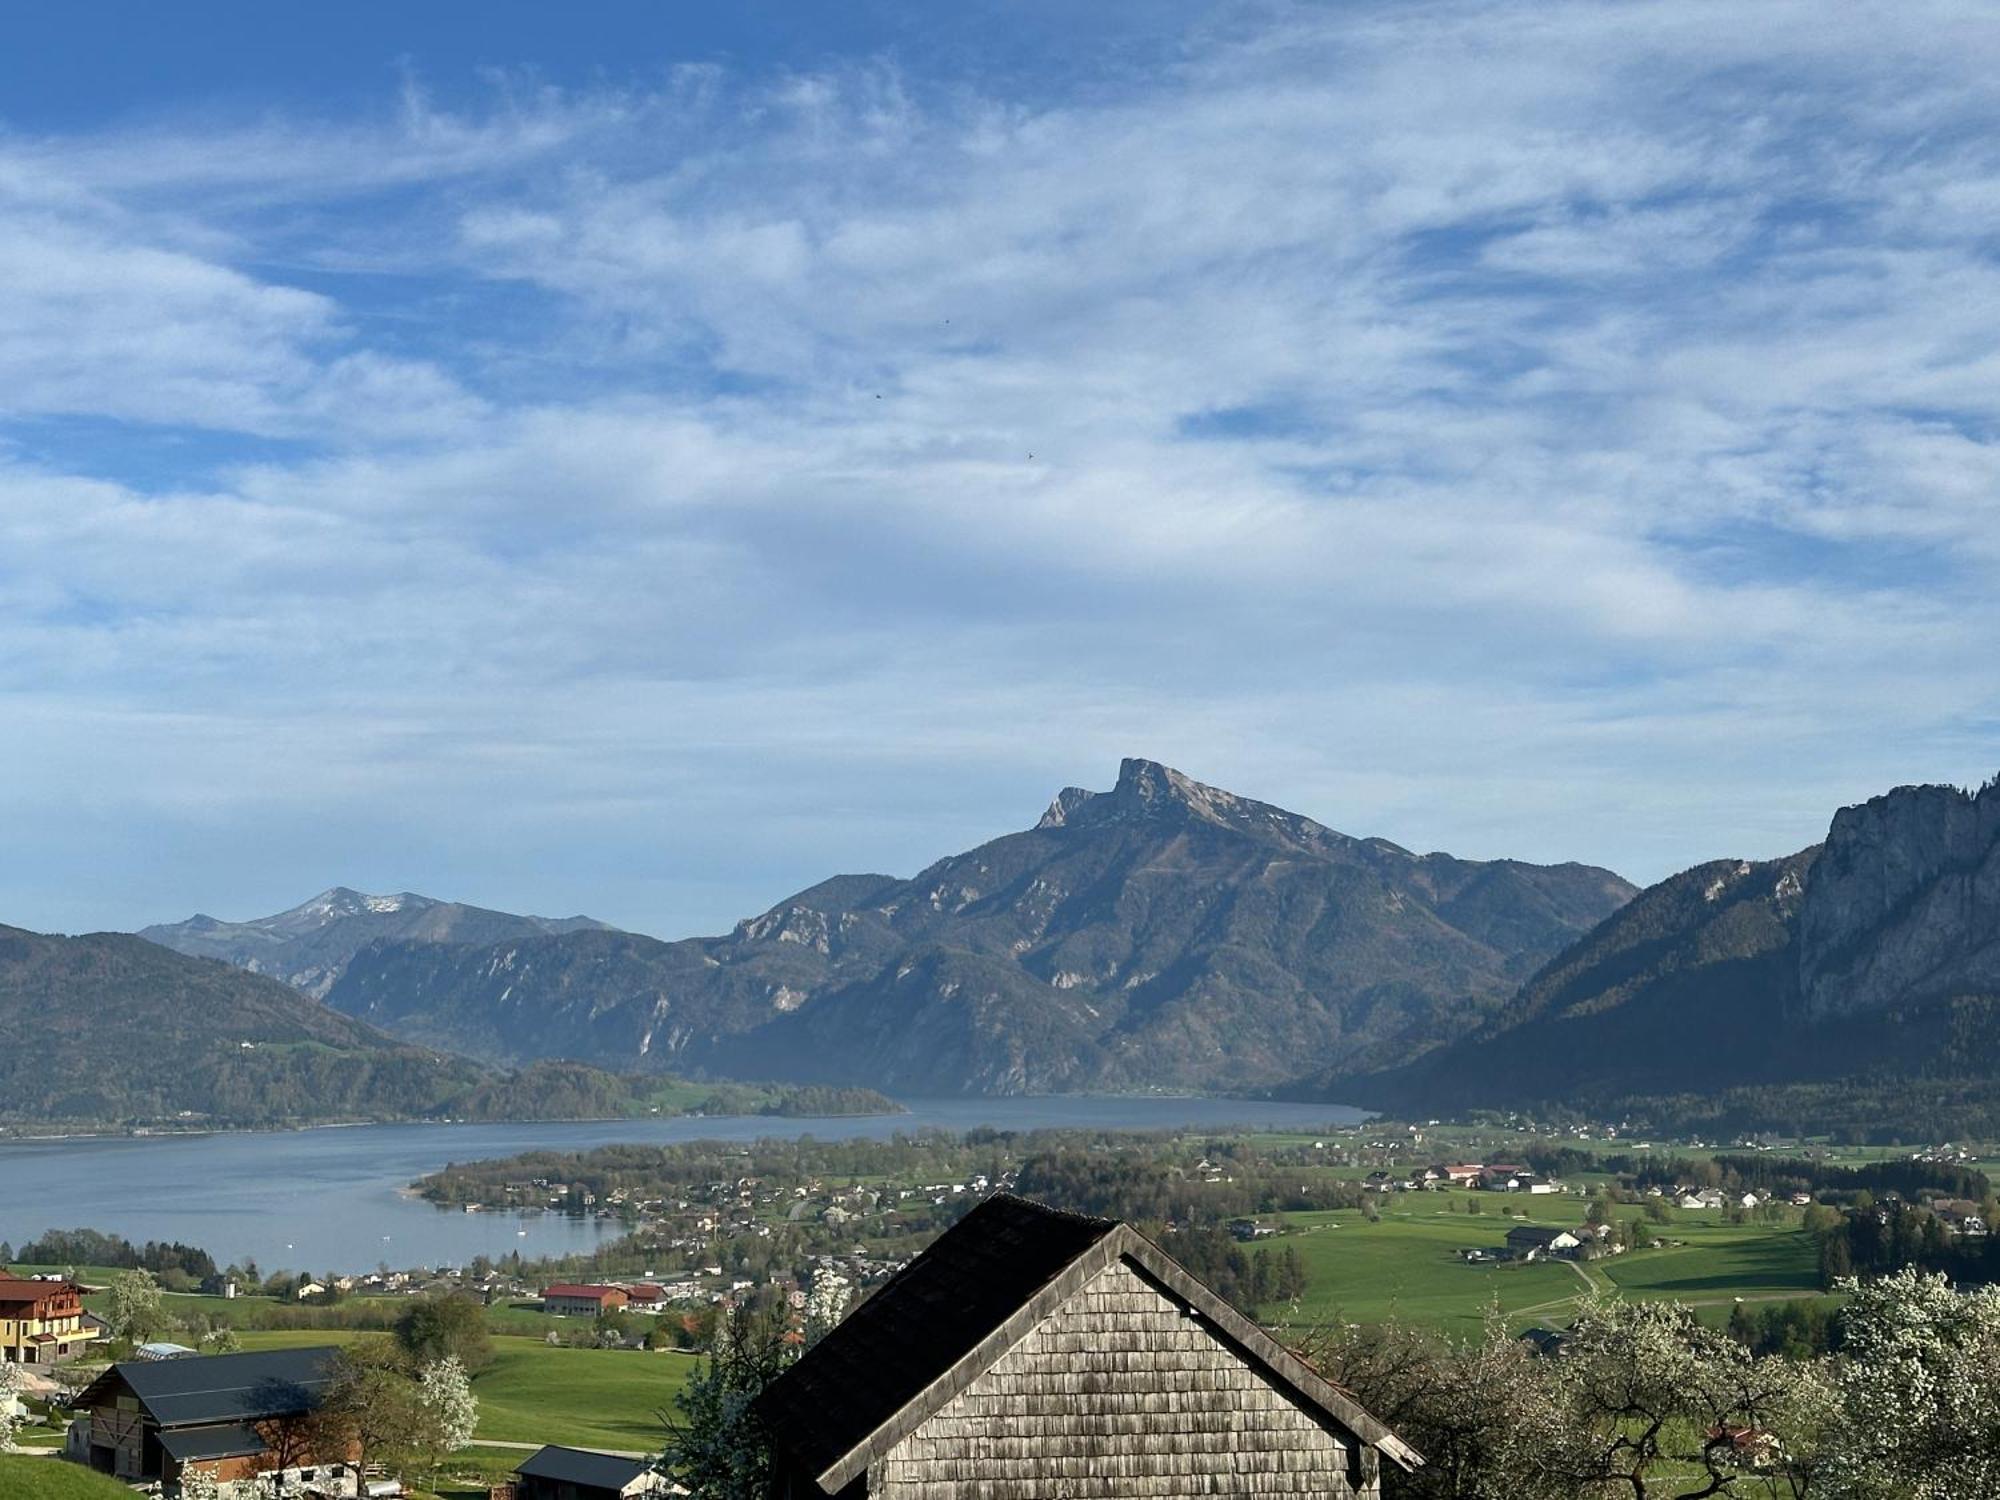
column 1164, row 934
column 308, row 946
column 1871, row 961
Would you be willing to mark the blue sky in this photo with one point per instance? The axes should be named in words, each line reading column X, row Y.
column 640, row 460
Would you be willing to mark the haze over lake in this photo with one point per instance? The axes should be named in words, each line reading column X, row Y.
column 334, row 1200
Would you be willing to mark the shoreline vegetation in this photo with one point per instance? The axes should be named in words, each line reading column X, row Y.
column 541, row 1093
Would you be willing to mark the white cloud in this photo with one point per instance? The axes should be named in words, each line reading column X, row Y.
column 1547, row 430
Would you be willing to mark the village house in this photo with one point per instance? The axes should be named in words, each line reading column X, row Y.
column 1532, row 1241
column 43, row 1322
column 231, row 1416
column 569, row 1300
column 1960, row 1215
column 556, row 1473
column 1031, row 1352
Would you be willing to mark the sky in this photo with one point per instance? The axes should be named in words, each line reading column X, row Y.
column 640, row 459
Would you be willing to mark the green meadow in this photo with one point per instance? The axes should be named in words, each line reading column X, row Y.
column 1407, row 1266
column 535, row 1392
column 51, row 1479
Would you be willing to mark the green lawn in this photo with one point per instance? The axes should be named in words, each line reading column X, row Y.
column 1407, row 1268
column 1719, row 1261
column 52, row 1479
column 537, row 1393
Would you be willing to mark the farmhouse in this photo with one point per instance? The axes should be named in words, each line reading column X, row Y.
column 556, row 1473
column 229, row 1415
column 1031, row 1352
column 42, row 1322
column 569, row 1300
column 1531, row 1240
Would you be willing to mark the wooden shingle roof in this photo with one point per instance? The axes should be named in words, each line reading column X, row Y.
column 952, row 1312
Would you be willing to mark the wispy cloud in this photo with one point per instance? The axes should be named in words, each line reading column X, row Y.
column 1563, row 430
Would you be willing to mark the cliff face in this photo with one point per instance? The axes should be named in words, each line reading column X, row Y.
column 1876, row 953
column 1903, row 904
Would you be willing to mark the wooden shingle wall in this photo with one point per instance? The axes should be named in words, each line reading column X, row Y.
column 1120, row 1395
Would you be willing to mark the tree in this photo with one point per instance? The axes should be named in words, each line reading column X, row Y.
column 827, row 1303
column 715, row 1445
column 199, row 1484
column 134, row 1310
column 10, row 1390
column 1649, row 1396
column 1918, row 1403
column 221, row 1339
column 373, row 1404
column 445, row 1326
column 450, row 1409
column 1477, row 1411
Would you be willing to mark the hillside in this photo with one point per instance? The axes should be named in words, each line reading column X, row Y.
column 308, row 946
column 108, row 1030
column 1870, row 959
column 1162, row 934
column 111, row 1028
column 25, row 1478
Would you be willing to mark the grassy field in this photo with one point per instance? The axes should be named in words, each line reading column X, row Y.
column 537, row 1393
column 51, row 1479
column 1407, row 1266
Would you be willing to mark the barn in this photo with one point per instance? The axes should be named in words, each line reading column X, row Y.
column 1032, row 1353
column 232, row 1416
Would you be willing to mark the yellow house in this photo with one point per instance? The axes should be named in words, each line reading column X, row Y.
column 42, row 1322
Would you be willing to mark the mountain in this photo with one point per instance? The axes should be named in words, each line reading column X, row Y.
column 1872, row 957
column 1163, row 934
column 107, row 1028
column 308, row 946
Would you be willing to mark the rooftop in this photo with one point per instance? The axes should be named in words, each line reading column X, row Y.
column 207, row 1390
column 581, row 1466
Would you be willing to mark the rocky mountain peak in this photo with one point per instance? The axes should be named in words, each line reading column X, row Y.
column 1148, row 791
column 1067, row 801
column 1904, row 901
column 345, row 901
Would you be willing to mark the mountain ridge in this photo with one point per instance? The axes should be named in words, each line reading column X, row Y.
column 308, row 946
column 1164, row 933
column 1870, row 957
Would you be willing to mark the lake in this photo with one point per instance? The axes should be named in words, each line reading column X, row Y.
column 333, row 1199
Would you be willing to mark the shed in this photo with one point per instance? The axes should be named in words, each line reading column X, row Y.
column 1032, row 1352
column 558, row 1473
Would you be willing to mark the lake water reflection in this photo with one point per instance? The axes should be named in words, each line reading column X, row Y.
column 332, row 1200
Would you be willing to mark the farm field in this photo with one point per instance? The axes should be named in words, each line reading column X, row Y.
column 1407, row 1268
column 539, row 1393
column 1407, row 1265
